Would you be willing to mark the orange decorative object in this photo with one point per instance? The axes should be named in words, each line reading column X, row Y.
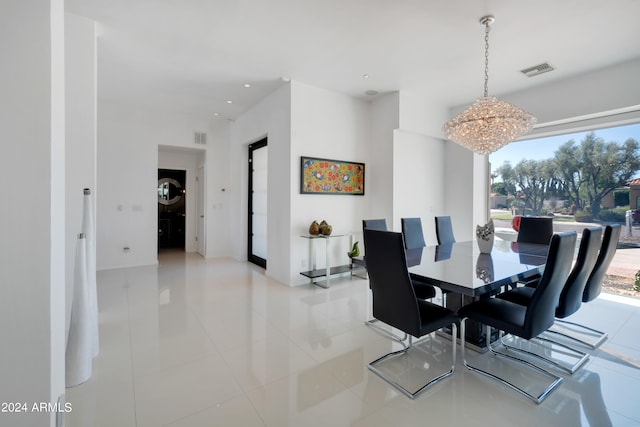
column 515, row 222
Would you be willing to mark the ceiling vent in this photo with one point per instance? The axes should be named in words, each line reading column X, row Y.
column 200, row 138
column 537, row 69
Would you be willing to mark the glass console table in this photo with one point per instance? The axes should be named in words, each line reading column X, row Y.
column 329, row 270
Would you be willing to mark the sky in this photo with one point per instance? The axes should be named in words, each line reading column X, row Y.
column 544, row 148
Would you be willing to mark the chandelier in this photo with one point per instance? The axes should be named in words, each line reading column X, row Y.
column 489, row 123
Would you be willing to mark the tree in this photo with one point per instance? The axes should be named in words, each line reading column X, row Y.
column 568, row 167
column 508, row 177
column 594, row 168
column 533, row 178
column 499, row 188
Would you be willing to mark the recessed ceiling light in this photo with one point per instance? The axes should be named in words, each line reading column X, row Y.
column 365, row 76
column 229, row 102
column 216, row 114
column 247, row 85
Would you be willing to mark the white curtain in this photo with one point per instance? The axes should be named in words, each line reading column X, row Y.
column 79, row 354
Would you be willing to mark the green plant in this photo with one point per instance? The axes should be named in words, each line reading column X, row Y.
column 613, row 215
column 636, row 282
column 583, row 216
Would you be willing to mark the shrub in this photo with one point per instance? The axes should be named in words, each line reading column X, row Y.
column 612, row 215
column 636, row 283
column 583, row 216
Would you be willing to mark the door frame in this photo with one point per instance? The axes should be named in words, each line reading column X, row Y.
column 250, row 256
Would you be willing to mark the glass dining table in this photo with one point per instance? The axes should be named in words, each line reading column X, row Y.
column 465, row 275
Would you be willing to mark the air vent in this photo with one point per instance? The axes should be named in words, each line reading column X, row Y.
column 200, row 138
column 537, row 69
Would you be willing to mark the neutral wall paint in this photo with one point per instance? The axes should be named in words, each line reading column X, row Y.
column 419, row 114
column 32, row 252
column 128, row 142
column 217, row 195
column 607, row 89
column 270, row 117
column 417, row 189
column 385, row 118
column 80, row 166
column 328, row 125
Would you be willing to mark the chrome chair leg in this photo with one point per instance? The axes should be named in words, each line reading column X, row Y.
column 580, row 357
column 413, row 394
column 599, row 335
column 537, row 399
column 373, row 323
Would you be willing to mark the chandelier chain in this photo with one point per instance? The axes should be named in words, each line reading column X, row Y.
column 489, row 123
column 486, row 59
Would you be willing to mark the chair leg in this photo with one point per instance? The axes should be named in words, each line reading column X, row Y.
column 537, row 399
column 373, row 323
column 580, row 357
column 599, row 335
column 397, row 385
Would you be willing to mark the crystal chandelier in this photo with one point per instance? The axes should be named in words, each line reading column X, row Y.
column 489, row 123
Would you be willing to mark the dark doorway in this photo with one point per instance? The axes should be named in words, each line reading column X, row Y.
column 257, row 226
column 171, row 208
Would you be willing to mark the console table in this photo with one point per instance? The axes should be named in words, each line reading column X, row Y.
column 329, row 270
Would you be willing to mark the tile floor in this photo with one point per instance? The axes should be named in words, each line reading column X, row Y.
column 197, row 342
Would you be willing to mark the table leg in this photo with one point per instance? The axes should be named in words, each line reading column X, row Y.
column 475, row 332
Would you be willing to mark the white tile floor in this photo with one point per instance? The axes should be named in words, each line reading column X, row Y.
column 199, row 342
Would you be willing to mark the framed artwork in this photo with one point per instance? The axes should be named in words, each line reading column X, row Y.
column 326, row 176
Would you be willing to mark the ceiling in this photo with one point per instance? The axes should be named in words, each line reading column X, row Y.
column 193, row 56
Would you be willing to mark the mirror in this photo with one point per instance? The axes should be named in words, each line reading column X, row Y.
column 169, row 191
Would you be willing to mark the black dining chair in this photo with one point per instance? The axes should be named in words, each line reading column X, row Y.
column 413, row 240
column 444, row 230
column 593, row 287
column 423, row 290
column 395, row 303
column 412, row 232
column 525, row 321
column 373, row 224
column 570, row 298
column 535, row 229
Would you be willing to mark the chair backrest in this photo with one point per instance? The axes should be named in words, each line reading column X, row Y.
column 535, row 230
column 607, row 250
column 541, row 310
column 374, row 224
column 394, row 300
column 571, row 295
column 412, row 232
column 444, row 230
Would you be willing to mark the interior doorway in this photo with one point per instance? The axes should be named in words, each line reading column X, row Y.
column 257, row 215
column 171, row 208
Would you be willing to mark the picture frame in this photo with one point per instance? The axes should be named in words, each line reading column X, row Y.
column 329, row 176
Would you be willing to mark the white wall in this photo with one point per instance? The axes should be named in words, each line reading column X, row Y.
column 417, row 181
column 607, row 89
column 328, row 125
column 271, row 117
column 128, row 141
column 32, row 252
column 217, row 197
column 419, row 114
column 385, row 111
column 80, row 165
